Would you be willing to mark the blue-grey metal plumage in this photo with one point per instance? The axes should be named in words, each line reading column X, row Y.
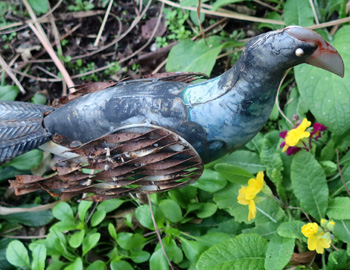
column 21, row 128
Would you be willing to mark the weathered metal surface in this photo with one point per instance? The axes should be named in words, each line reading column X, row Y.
column 138, row 159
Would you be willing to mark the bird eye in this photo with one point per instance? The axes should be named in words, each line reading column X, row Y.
column 299, row 52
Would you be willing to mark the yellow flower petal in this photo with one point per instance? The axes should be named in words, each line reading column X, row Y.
column 295, row 135
column 241, row 196
column 319, row 242
column 309, row 229
column 252, row 210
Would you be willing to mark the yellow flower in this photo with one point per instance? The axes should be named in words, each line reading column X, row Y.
column 309, row 229
column 247, row 194
column 296, row 134
column 319, row 242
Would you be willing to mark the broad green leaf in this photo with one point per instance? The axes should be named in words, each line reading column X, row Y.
column 76, row 265
column 139, row 256
column 248, row 160
column 190, row 56
column 273, row 161
column 90, row 242
column 40, row 6
column 121, row 265
column 158, row 261
column 171, row 210
column 268, row 210
column 8, row 92
column 63, row 211
column 27, row 161
column 183, row 196
column 98, row 217
column 233, row 173
column 341, row 230
column 279, row 252
column 338, row 260
column 39, row 99
column 56, row 264
column 266, row 230
column 338, row 208
column 309, row 184
column 97, row 265
column 83, row 208
column 192, row 249
column 130, row 241
column 210, row 181
column 110, row 205
column 32, row 219
column 246, row 250
column 4, row 263
column 291, row 229
column 340, row 186
column 213, row 238
column 17, row 254
column 76, row 239
column 39, row 257
column 207, row 210
column 328, row 95
column 298, row 13
column 144, row 216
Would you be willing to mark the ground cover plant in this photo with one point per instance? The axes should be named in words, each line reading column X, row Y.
column 280, row 202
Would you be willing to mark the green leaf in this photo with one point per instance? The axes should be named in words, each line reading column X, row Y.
column 245, row 251
column 90, row 242
column 144, row 216
column 338, row 260
column 98, row 217
column 40, row 6
column 210, row 181
column 76, row 239
column 219, row 3
column 32, row 219
column 192, row 249
column 76, row 265
column 83, row 208
column 158, row 261
column 100, row 265
column 17, row 254
column 298, row 13
column 248, row 160
column 129, row 241
column 309, row 184
column 139, row 256
column 39, row 99
column 27, row 161
column 291, row 229
column 233, row 173
column 279, row 252
column 39, row 257
column 8, row 92
column 171, row 210
column 328, row 95
column 266, row 230
column 207, row 210
column 112, row 231
column 338, row 208
column 341, row 230
column 190, row 56
column 63, row 211
column 4, row 263
column 121, row 265
column 110, row 205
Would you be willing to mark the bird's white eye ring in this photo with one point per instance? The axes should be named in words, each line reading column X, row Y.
column 299, row 52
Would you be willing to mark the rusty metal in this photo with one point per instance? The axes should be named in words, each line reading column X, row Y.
column 137, row 158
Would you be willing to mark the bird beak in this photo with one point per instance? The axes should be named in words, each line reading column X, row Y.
column 325, row 56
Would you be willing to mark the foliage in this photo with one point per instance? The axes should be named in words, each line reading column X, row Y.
column 203, row 226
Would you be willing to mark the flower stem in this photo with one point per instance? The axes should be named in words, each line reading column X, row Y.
column 324, row 261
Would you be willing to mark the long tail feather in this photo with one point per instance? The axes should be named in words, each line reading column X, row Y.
column 21, row 128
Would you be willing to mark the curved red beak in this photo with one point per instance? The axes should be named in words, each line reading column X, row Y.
column 325, row 56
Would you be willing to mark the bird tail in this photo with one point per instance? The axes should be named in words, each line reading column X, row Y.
column 21, row 128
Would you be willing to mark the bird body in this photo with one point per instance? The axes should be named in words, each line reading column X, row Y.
column 214, row 116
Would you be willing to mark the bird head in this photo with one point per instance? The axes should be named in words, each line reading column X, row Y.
column 279, row 50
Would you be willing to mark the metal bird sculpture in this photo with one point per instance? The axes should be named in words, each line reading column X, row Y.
column 152, row 135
